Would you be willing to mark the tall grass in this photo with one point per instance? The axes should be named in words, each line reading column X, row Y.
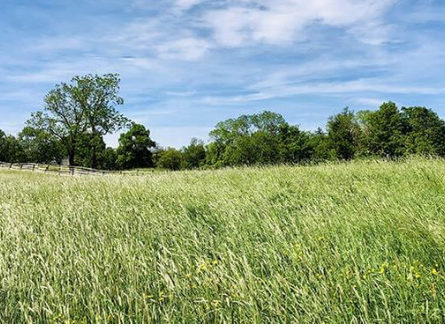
column 335, row 243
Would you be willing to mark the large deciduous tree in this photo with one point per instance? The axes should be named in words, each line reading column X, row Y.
column 98, row 96
column 87, row 104
column 248, row 139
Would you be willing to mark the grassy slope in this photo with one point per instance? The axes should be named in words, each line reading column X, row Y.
column 360, row 242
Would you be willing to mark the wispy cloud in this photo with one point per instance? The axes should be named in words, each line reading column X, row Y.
column 284, row 21
column 358, row 86
column 187, row 4
column 188, row 48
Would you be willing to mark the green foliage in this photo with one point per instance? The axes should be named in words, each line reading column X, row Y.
column 343, row 134
column 263, row 138
column 134, row 148
column 10, row 149
column 361, row 242
column 79, row 114
column 194, row 155
column 98, row 95
column 227, row 131
column 39, row 146
column 108, row 159
column 170, row 158
column 85, row 144
column 214, row 153
column 241, row 151
column 425, row 131
column 294, row 145
column 318, row 142
column 385, row 131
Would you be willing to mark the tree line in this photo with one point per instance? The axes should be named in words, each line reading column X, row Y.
column 77, row 116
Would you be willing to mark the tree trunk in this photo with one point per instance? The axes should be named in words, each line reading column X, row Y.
column 93, row 157
column 71, row 157
column 94, row 160
column 71, row 153
column 93, row 150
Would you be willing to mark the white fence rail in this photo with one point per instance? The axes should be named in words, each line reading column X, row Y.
column 68, row 170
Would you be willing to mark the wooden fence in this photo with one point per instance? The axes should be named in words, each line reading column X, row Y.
column 67, row 170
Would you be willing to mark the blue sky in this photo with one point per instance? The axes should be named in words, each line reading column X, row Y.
column 187, row 64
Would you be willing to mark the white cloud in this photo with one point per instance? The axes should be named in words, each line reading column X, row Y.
column 283, row 21
column 245, row 22
column 137, row 34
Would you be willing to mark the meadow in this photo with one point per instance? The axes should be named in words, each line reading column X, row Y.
column 335, row 243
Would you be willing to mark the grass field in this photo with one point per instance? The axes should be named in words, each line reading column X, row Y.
column 357, row 242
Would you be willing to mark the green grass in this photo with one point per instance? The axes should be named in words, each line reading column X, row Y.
column 335, row 243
